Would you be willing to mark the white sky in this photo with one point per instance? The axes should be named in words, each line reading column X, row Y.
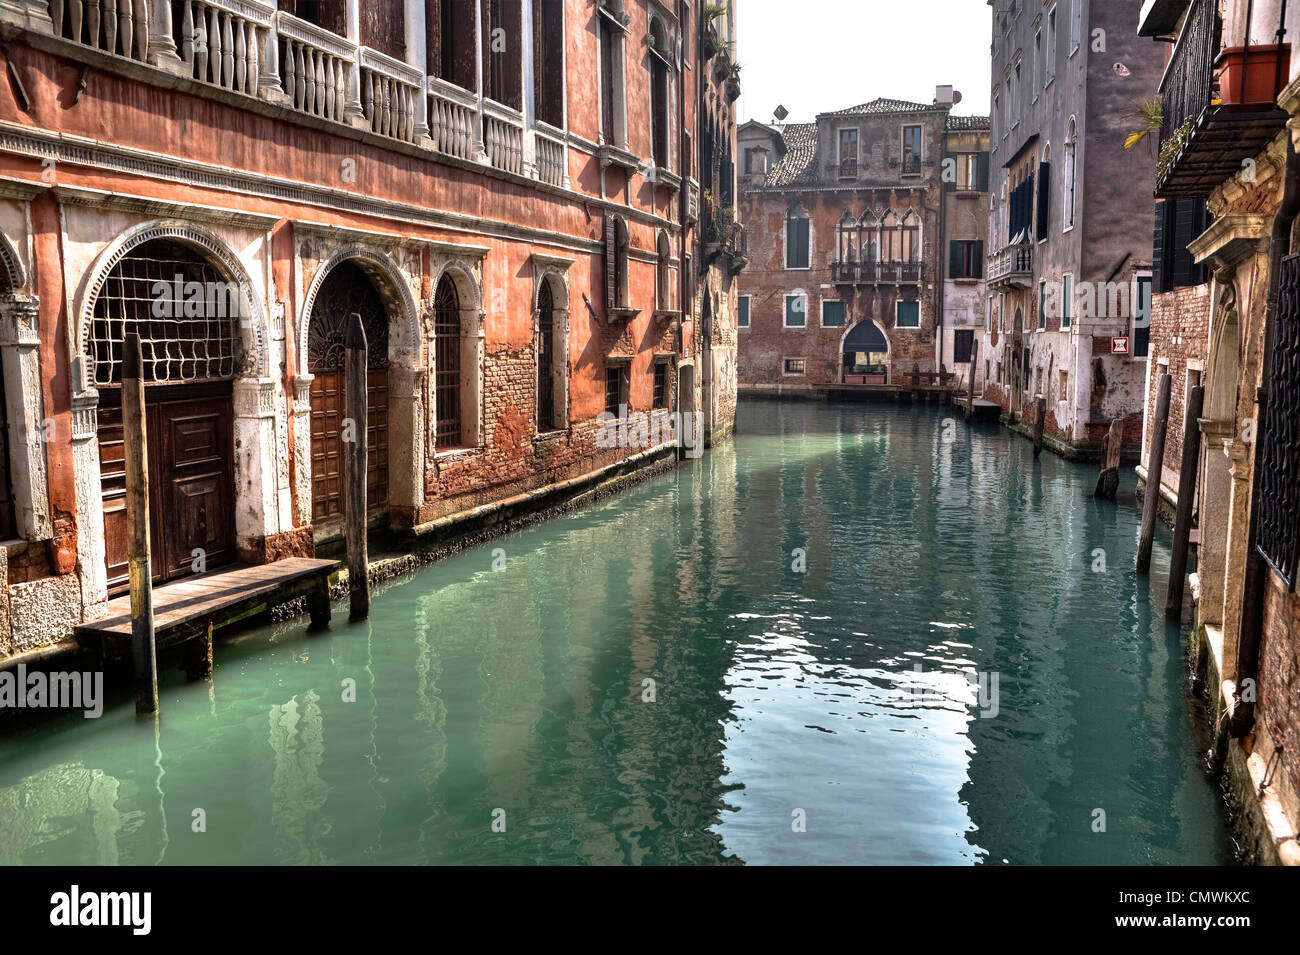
column 815, row 56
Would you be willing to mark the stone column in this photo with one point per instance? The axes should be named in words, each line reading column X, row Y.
column 417, row 56
column 90, row 504
column 355, row 114
column 162, row 47
column 480, row 151
column 1241, row 466
column 302, row 448
column 526, row 67
column 256, row 496
column 19, row 353
column 406, row 439
column 29, row 14
column 269, row 87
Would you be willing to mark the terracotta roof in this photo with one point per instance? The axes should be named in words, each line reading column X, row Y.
column 884, row 106
column 798, row 164
column 968, row 122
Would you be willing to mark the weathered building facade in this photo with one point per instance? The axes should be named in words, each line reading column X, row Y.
column 507, row 193
column 1070, row 227
column 847, row 274
column 1230, row 100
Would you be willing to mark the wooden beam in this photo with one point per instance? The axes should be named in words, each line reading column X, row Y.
column 1155, row 467
column 1186, row 493
column 970, row 386
column 136, row 452
column 354, row 470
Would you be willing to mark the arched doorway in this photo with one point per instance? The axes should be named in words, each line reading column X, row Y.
column 866, row 355
column 186, row 312
column 1019, row 360
column 346, row 290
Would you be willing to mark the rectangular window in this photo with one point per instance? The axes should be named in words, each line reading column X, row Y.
column 661, row 384
column 1064, row 394
column 965, row 259
column 615, row 394
column 1051, row 46
column 1069, row 187
column 796, row 243
column 796, row 311
column 742, row 312
column 1177, row 223
column 1035, row 75
column 909, row 315
column 911, row 150
column 1067, row 300
column 1042, row 306
column 1142, row 318
column 1076, row 24
column 988, row 315
column 756, row 161
column 832, row 314
column 1017, row 86
column 795, row 366
column 848, row 153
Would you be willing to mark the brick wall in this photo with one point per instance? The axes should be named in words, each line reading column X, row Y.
column 1180, row 322
column 1279, row 675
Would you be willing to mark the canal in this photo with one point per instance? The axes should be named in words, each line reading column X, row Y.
column 856, row 634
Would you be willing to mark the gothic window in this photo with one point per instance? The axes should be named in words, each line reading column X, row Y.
column 551, row 359
column 891, row 238
column 453, row 51
column 869, row 237
column 548, row 61
column 847, row 229
column 447, row 364
column 659, row 92
column 1069, row 177
column 910, row 247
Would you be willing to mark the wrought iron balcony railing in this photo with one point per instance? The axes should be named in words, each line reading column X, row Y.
column 876, row 273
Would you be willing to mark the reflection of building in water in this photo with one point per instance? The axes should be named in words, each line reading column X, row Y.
column 61, row 804
column 297, row 737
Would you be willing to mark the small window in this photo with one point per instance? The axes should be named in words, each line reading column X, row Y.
column 911, row 150
column 661, row 385
column 965, row 259
column 909, row 315
column 742, row 312
column 795, row 366
column 1076, row 24
column 796, row 311
column 1064, row 394
column 1042, row 306
column 1051, row 47
column 832, row 314
column 615, row 388
column 1067, row 300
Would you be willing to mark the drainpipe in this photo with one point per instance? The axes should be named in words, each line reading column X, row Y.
column 942, row 257
column 1242, row 712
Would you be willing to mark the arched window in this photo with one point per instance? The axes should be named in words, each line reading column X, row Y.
column 184, row 310
column 659, row 92
column 545, row 357
column 891, row 238
column 613, row 105
column 911, row 237
column 617, row 246
column 447, row 364
column 1069, row 176
column 845, row 248
column 869, row 238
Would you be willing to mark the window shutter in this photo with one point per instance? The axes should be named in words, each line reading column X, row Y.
column 1044, row 192
column 1189, row 222
column 977, row 260
column 954, row 259
column 1160, row 268
column 802, row 245
column 982, row 173
column 611, row 264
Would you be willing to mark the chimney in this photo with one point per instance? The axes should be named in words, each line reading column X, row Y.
column 943, row 96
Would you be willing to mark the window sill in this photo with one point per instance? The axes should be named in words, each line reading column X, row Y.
column 541, row 436
column 455, row 454
column 967, row 194
column 794, row 328
column 966, row 280
column 621, row 314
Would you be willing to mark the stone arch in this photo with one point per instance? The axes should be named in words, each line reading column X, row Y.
column 856, row 331
column 404, row 341
column 1221, row 402
column 469, row 299
column 13, row 277
column 253, row 334
column 551, row 345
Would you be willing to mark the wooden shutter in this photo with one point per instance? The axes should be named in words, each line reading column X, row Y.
column 1160, row 268
column 1189, row 222
column 954, row 259
column 977, row 259
column 611, row 264
column 982, row 173
column 1044, row 193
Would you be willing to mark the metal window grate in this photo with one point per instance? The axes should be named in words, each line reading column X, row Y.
column 1279, row 477
column 185, row 311
column 446, row 338
column 346, row 290
column 545, row 358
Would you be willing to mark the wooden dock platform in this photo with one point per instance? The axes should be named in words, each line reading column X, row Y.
column 196, row 606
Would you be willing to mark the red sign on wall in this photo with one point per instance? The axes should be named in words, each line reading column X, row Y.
column 1119, row 346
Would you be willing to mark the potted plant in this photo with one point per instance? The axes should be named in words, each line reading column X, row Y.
column 1152, row 115
column 722, row 62
column 1253, row 74
column 733, row 82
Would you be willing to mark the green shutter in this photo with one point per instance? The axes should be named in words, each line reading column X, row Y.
column 742, row 313
column 982, row 173
column 796, row 311
column 978, row 259
column 832, row 314
column 1067, row 300
column 954, row 259
column 909, row 314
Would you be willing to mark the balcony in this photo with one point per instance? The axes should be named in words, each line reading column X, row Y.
column 248, row 54
column 1218, row 105
column 876, row 273
column 1012, row 267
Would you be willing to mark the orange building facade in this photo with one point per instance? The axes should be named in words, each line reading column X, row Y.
column 509, row 194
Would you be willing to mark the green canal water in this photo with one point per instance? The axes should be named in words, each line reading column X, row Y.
column 816, row 604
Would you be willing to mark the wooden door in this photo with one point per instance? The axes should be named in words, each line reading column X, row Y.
column 191, row 482
column 328, row 409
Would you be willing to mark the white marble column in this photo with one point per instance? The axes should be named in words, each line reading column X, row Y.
column 417, row 55
column 162, row 46
column 19, row 345
column 355, row 114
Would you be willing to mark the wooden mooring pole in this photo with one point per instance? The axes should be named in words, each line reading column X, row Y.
column 1155, row 468
column 354, row 470
column 1186, row 493
column 136, row 452
column 970, row 385
column 1108, row 480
